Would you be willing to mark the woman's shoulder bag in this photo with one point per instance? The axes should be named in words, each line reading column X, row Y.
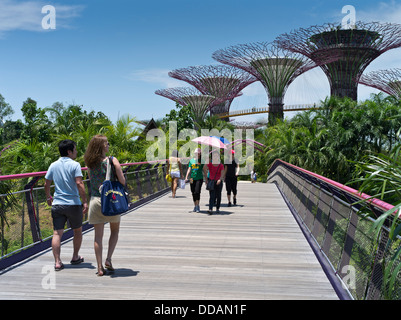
column 114, row 198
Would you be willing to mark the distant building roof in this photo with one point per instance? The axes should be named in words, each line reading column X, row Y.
column 149, row 126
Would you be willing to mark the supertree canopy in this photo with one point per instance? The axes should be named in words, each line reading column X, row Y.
column 185, row 96
column 221, row 81
column 388, row 81
column 275, row 68
column 355, row 48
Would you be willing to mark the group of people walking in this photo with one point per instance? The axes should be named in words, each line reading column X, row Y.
column 69, row 201
column 198, row 173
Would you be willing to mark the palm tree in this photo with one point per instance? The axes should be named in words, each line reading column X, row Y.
column 213, row 122
column 122, row 137
column 283, row 142
column 28, row 156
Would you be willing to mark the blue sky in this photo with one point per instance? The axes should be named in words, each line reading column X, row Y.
column 111, row 56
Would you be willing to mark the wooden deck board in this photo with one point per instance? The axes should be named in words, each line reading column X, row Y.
column 251, row 251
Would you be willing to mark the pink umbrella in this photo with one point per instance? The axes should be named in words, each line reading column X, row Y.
column 210, row 141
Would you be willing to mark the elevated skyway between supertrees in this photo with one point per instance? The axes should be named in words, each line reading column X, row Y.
column 259, row 110
column 247, row 125
column 355, row 48
column 221, row 81
column 275, row 68
column 388, row 81
column 199, row 103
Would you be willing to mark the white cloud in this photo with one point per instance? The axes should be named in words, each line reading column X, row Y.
column 309, row 88
column 390, row 12
column 384, row 12
column 27, row 15
column 254, row 89
column 388, row 60
column 157, row 76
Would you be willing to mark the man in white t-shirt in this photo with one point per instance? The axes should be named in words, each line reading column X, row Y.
column 66, row 205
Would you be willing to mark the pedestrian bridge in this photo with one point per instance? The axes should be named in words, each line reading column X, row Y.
column 259, row 110
column 260, row 249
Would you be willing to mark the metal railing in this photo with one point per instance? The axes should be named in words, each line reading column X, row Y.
column 330, row 215
column 27, row 227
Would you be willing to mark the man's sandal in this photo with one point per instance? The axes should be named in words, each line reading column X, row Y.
column 78, row 261
column 58, row 268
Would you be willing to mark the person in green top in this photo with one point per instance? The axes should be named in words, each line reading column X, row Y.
column 195, row 171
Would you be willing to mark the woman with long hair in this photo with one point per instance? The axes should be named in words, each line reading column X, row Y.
column 96, row 161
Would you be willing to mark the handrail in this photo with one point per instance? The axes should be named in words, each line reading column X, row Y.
column 362, row 196
column 22, row 175
column 329, row 214
column 43, row 173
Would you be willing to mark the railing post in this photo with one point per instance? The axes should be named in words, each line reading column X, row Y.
column 23, row 224
column 148, row 179
column 138, row 182
column 164, row 166
column 158, row 180
column 35, row 229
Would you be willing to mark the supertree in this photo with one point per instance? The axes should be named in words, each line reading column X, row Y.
column 388, row 81
column 199, row 103
column 355, row 48
column 221, row 81
column 275, row 68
